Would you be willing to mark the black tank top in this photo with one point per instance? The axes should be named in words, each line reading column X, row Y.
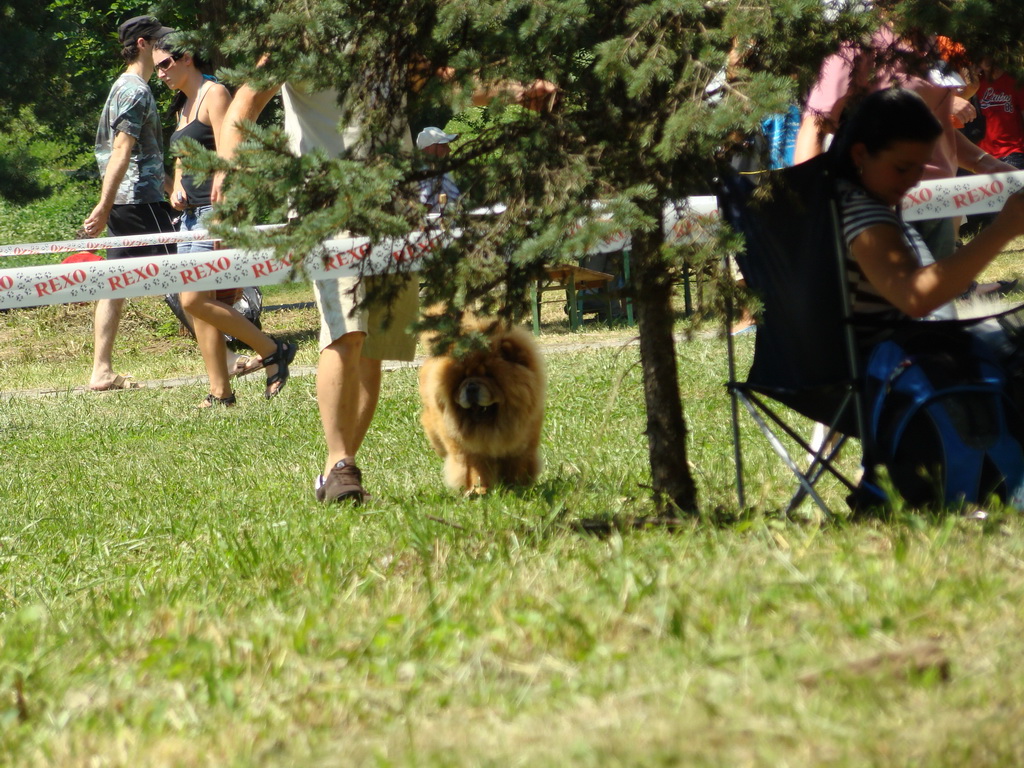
column 198, row 194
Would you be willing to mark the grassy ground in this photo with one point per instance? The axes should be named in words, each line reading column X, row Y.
column 171, row 594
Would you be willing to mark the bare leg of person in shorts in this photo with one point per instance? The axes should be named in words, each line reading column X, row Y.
column 347, row 391
column 130, row 219
column 352, row 346
column 105, row 322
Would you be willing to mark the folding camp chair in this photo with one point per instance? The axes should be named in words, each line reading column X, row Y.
column 804, row 352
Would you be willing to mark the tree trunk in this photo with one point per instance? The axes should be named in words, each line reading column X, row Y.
column 215, row 14
column 674, row 489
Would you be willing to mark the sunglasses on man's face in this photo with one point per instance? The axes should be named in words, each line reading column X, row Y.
column 163, row 65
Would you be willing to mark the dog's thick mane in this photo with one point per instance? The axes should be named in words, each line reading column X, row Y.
column 497, row 443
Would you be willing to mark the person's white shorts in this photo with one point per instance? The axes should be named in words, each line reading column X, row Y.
column 384, row 340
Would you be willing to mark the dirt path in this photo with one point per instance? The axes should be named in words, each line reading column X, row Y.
column 550, row 345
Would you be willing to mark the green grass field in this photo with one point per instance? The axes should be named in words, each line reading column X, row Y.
column 172, row 595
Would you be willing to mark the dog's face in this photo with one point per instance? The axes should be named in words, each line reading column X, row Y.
column 483, row 411
column 503, row 375
column 487, row 394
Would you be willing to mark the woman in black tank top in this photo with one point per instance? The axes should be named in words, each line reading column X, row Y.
column 199, row 110
column 197, row 195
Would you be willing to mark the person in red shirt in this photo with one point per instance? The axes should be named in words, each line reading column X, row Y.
column 1001, row 99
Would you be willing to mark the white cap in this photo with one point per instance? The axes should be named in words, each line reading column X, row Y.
column 430, row 136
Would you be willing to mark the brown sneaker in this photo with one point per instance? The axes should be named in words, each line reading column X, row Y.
column 343, row 483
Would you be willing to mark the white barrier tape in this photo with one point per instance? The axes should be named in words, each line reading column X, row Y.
column 940, row 199
column 962, row 196
column 208, row 270
column 685, row 221
column 944, row 198
column 211, row 270
column 102, row 243
column 682, row 221
column 124, row 278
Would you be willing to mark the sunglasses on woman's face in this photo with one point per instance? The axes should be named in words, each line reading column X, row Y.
column 163, row 65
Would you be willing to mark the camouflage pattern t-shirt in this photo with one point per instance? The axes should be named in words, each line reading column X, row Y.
column 131, row 109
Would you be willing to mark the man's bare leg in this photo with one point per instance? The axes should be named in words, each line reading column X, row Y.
column 105, row 321
column 347, row 389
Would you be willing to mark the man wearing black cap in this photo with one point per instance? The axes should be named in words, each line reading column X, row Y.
column 129, row 151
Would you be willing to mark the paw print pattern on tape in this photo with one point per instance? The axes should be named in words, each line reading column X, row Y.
column 965, row 195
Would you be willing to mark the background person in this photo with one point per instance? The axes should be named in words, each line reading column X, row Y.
column 199, row 109
column 129, row 153
column 1001, row 101
column 440, row 190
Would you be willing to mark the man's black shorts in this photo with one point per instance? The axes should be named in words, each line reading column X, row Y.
column 139, row 219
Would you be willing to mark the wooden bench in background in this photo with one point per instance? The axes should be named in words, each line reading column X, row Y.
column 569, row 278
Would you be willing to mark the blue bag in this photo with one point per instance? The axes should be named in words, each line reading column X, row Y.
column 940, row 419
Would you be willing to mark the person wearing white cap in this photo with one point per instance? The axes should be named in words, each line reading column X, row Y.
column 441, row 190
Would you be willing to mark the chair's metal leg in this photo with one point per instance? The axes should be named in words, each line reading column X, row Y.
column 815, row 470
column 783, row 454
column 730, row 351
column 737, row 450
column 800, row 440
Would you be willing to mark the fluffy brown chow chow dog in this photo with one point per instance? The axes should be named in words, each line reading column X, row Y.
column 483, row 412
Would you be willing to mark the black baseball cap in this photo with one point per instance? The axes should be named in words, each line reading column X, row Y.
column 147, row 27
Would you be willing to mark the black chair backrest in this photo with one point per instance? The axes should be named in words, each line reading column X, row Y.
column 791, row 262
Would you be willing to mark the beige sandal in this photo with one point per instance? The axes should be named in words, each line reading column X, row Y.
column 244, row 365
column 118, row 382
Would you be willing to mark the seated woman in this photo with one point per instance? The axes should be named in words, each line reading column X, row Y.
column 199, row 111
column 880, row 154
column 935, row 450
